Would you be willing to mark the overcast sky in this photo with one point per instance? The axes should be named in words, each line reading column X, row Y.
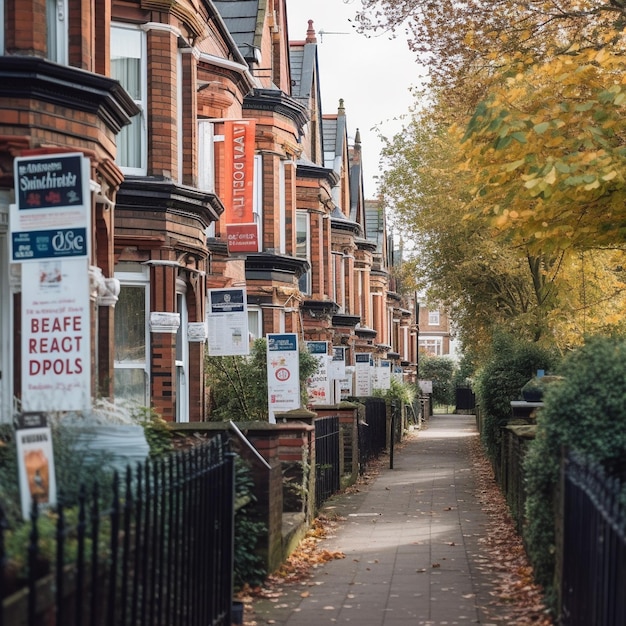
column 373, row 75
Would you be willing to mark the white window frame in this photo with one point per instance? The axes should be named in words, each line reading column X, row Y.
column 433, row 317
column 305, row 280
column 180, row 135
column 131, row 275
column 255, row 322
column 6, row 339
column 206, row 155
column 141, row 102
column 57, row 30
column 257, row 197
column 182, row 355
column 282, row 210
column 432, row 345
column 2, row 10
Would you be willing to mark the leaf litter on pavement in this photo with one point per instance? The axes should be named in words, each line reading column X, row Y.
column 505, row 559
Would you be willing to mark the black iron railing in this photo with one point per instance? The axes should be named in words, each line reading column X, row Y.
column 372, row 431
column 155, row 550
column 594, row 547
column 327, row 459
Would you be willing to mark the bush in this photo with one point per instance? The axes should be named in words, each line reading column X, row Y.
column 440, row 370
column 239, row 384
column 585, row 412
column 513, row 362
column 249, row 566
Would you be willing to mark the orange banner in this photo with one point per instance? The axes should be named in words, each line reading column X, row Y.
column 238, row 171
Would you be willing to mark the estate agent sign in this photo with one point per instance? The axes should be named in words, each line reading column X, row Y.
column 50, row 234
column 283, row 373
column 50, row 218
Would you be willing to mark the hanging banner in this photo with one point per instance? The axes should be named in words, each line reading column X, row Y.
column 283, row 373
column 227, row 322
column 56, row 351
column 50, row 218
column 318, row 385
column 362, row 382
column 238, row 194
column 35, row 462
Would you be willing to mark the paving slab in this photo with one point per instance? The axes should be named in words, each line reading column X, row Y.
column 411, row 539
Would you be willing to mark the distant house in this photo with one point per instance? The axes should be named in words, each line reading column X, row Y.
column 436, row 332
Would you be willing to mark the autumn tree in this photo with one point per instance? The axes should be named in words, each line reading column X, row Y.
column 461, row 40
column 483, row 283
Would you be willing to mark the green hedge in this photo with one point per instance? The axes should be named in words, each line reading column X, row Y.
column 513, row 362
column 586, row 412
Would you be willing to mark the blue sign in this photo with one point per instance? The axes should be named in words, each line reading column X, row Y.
column 49, row 244
column 317, row 347
column 276, row 342
column 46, row 182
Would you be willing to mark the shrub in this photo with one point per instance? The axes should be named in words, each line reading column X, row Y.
column 440, row 370
column 398, row 390
column 239, row 384
column 513, row 362
column 585, row 412
column 249, row 566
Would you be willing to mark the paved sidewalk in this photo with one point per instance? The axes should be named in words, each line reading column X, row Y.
column 411, row 540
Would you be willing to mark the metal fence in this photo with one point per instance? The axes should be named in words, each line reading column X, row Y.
column 156, row 550
column 594, row 547
column 465, row 400
column 327, row 459
column 372, row 431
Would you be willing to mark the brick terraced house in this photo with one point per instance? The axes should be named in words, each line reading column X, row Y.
column 206, row 162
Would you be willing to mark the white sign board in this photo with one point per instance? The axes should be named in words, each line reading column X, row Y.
column 56, row 351
column 227, row 321
column 362, row 384
column 426, row 386
column 383, row 375
column 283, row 373
column 318, row 385
column 35, row 462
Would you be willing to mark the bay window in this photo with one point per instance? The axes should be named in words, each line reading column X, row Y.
column 132, row 338
column 128, row 66
column 303, row 247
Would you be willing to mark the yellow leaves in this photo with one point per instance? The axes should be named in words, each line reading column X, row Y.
column 510, row 167
column 550, row 178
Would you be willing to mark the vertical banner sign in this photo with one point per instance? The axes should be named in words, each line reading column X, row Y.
column 50, row 218
column 346, row 383
column 227, row 321
column 318, row 385
column 383, row 375
column 362, row 374
column 283, row 373
column 337, row 367
column 35, row 461
column 239, row 142
column 56, row 351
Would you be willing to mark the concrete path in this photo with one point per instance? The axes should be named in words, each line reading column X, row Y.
column 412, row 544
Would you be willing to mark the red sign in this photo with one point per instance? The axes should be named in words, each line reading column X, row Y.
column 242, row 237
column 239, row 140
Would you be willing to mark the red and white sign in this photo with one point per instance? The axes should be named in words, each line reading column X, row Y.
column 242, row 237
column 56, row 354
column 239, row 139
column 238, row 194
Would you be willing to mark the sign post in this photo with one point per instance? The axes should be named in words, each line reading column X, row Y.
column 49, row 238
column 283, row 373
